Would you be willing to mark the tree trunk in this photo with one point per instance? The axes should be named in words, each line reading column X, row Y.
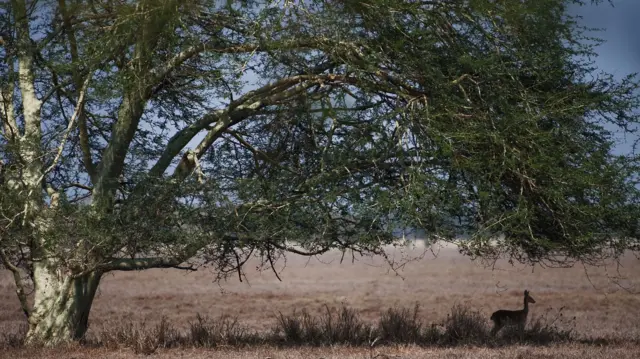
column 61, row 307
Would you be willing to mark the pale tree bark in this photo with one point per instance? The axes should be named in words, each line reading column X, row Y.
column 62, row 304
column 29, row 151
column 61, row 300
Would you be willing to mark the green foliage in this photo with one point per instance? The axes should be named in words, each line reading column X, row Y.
column 327, row 124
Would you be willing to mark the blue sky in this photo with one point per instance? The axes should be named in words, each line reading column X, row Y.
column 620, row 54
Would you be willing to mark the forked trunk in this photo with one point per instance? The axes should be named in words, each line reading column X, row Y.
column 61, row 307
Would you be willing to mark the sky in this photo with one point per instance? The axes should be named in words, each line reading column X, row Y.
column 620, row 54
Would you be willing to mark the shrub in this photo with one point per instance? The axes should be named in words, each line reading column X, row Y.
column 401, row 326
column 465, row 326
column 328, row 328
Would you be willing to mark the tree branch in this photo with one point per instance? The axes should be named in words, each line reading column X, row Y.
column 185, row 167
column 125, row 264
column 76, row 113
column 249, row 104
column 22, row 296
column 82, row 121
column 107, row 172
column 299, row 252
column 7, row 115
column 180, row 139
column 160, row 72
column 79, row 185
column 234, row 113
column 273, row 267
column 257, row 153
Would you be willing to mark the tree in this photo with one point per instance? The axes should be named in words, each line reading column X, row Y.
column 169, row 134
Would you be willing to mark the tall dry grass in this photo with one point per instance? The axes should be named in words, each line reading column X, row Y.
column 340, row 326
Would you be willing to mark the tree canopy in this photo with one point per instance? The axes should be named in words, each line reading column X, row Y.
column 147, row 134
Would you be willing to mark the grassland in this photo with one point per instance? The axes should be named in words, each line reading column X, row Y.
column 599, row 305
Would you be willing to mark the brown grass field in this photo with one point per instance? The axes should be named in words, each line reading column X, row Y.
column 601, row 304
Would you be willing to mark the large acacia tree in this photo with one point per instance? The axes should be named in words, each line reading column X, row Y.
column 148, row 134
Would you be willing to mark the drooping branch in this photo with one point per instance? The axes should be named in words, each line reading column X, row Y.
column 316, row 252
column 20, row 287
column 178, row 261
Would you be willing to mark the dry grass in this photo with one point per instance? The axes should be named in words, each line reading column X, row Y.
column 367, row 288
column 404, row 352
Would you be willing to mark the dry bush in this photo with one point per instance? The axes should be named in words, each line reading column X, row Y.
column 464, row 326
column 226, row 330
column 401, row 326
column 345, row 328
column 301, row 328
column 140, row 338
column 297, row 328
column 202, row 333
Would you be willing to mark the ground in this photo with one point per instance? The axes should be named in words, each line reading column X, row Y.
column 564, row 351
column 602, row 300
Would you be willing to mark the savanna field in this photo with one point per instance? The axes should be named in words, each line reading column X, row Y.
column 436, row 306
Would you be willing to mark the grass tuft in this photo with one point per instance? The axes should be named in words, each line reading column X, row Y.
column 464, row 326
column 401, row 326
column 333, row 326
